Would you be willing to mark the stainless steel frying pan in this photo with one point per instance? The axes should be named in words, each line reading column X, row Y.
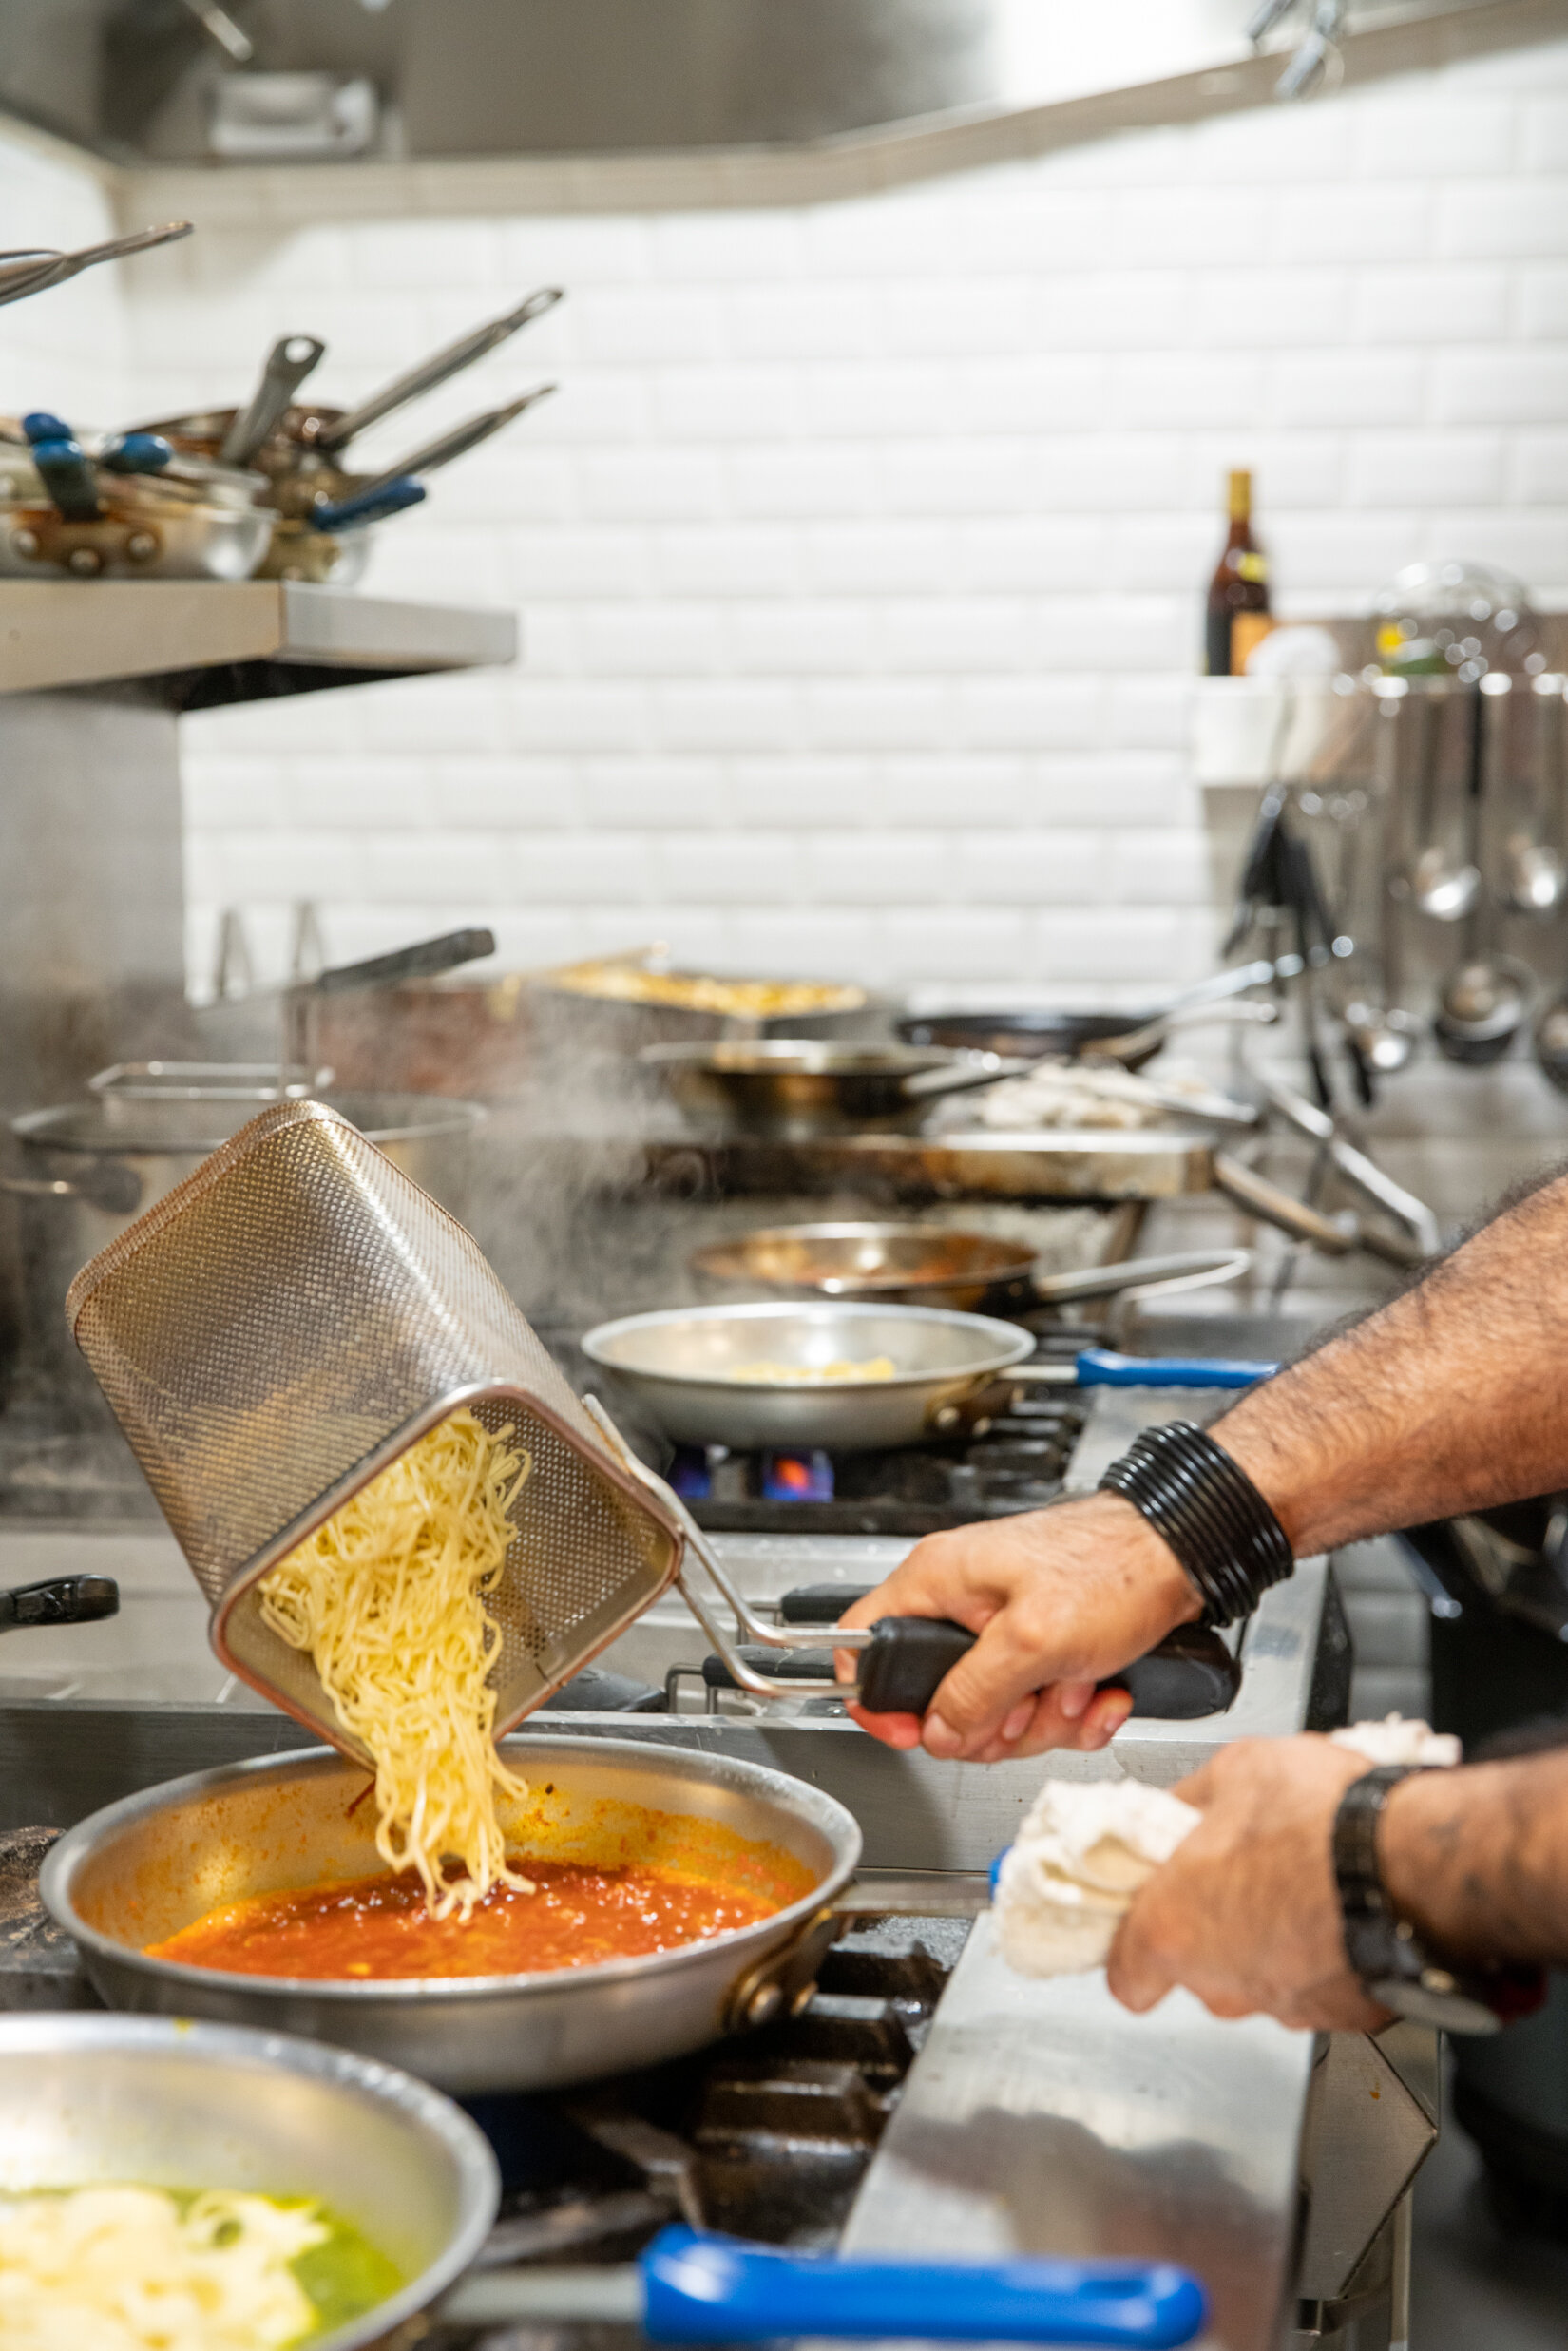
column 908, row 1264
column 793, row 1089
column 138, row 1871
column 685, row 1363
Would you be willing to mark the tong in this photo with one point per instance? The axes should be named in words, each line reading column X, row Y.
column 33, row 270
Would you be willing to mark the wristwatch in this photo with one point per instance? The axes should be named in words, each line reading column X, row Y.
column 1393, row 1962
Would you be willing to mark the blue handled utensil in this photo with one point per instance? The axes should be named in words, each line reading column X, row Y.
column 1096, row 1367
column 136, row 452
column 690, row 2287
column 63, row 467
column 366, row 506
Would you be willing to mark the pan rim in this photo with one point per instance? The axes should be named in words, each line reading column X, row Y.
column 999, row 1355
column 853, row 1287
column 72, row 1848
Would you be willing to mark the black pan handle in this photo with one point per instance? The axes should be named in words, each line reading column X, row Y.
column 1189, row 1675
column 64, row 1599
column 423, row 961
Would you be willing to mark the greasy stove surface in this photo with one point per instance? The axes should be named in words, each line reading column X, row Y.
column 1014, row 1458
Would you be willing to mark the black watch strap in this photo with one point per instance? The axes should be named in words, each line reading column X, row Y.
column 1393, row 1962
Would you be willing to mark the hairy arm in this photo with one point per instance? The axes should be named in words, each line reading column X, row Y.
column 1452, row 1397
column 1246, row 1914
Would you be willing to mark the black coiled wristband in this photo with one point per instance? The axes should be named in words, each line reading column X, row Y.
column 1204, row 1506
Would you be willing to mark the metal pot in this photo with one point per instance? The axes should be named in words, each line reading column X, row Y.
column 139, row 1870
column 934, row 1264
column 94, row 1166
column 89, row 2099
column 792, row 1089
column 682, row 1363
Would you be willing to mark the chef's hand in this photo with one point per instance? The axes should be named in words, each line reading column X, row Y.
column 1061, row 1598
column 1244, row 1913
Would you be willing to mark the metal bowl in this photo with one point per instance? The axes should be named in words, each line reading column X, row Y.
column 139, row 1870
column 167, row 2103
column 889, row 1264
column 683, row 1365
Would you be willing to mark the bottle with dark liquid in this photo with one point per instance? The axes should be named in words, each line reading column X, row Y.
column 1238, row 593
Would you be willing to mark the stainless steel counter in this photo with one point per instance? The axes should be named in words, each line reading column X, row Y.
column 1043, row 2119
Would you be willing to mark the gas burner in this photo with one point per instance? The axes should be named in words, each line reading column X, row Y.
column 1015, row 1461
column 766, row 2137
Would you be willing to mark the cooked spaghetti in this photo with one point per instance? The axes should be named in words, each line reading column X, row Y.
column 126, row 2269
column 387, row 1596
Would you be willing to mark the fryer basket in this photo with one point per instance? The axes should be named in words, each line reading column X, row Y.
column 285, row 1323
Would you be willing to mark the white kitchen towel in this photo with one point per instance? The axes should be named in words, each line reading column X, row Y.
column 1087, row 1845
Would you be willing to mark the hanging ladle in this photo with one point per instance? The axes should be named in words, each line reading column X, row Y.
column 1440, row 887
column 1485, row 1000
column 1534, row 869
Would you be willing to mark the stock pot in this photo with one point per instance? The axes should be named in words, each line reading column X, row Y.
column 92, row 1167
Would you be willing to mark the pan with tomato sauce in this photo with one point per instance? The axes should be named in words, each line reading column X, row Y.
column 577, row 1915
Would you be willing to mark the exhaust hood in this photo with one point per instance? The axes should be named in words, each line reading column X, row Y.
column 158, row 82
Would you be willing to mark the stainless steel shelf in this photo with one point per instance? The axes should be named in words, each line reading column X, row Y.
column 198, row 643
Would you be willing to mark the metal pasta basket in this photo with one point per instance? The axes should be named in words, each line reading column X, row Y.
column 281, row 1326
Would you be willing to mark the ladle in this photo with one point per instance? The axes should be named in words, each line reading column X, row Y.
column 1537, row 876
column 1485, row 1002
column 1550, row 1042
column 1440, row 888
column 1384, row 1035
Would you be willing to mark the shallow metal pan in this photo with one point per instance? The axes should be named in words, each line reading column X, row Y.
column 138, row 1871
column 792, row 1089
column 893, row 1264
column 682, row 1363
column 164, row 2103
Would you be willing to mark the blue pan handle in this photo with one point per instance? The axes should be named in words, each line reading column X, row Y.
column 62, row 467
column 1098, row 1367
column 136, row 453
column 369, row 506
column 714, row 2289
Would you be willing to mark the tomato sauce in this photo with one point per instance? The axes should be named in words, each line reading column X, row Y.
column 379, row 1928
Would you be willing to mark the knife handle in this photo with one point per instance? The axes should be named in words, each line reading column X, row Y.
column 1191, row 1673
column 699, row 2288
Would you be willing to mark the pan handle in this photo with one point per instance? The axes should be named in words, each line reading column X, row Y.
column 700, row 2288
column 420, row 962
column 1189, row 1675
column 62, row 1599
column 1191, row 1269
column 690, row 2287
column 436, row 369
column 932, row 1085
column 288, row 362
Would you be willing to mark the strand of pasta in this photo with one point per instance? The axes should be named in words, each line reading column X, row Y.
column 387, row 1596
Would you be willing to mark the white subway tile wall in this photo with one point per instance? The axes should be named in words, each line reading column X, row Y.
column 859, row 555
column 66, row 351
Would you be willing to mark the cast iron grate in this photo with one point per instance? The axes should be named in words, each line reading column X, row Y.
column 766, row 2137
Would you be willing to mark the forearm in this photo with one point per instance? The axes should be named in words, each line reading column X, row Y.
column 1478, row 1859
column 1453, row 1397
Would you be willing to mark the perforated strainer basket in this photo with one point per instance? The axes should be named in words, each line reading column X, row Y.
column 285, row 1323
column 291, row 1318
